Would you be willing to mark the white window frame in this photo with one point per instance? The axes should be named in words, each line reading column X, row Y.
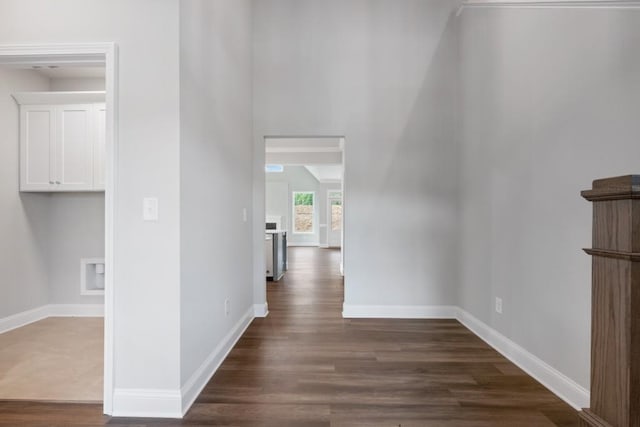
column 293, row 212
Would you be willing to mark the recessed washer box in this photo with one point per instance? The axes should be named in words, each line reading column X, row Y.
column 92, row 276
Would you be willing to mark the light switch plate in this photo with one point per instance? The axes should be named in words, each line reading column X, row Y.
column 244, row 214
column 150, row 209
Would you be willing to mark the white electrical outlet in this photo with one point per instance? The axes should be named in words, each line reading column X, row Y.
column 150, row 209
column 226, row 307
column 498, row 305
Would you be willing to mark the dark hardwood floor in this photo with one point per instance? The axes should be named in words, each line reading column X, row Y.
column 304, row 365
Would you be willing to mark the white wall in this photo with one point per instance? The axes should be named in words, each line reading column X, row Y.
column 147, row 263
column 76, row 225
column 550, row 102
column 24, row 218
column 66, row 84
column 297, row 178
column 382, row 74
column 215, row 179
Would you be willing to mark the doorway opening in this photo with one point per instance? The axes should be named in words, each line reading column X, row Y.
column 304, row 199
column 59, row 104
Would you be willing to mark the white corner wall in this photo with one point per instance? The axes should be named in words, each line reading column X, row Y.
column 550, row 101
column 216, row 185
column 382, row 74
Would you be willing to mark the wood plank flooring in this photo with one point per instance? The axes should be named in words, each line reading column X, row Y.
column 304, row 365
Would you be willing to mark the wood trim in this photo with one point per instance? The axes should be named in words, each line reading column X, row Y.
column 627, row 256
column 618, row 188
column 615, row 325
column 610, row 194
column 552, row 3
column 589, row 419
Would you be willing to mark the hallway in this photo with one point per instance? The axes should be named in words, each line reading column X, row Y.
column 304, row 365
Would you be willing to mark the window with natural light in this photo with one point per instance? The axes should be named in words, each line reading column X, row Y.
column 303, row 209
column 336, row 215
column 274, row 168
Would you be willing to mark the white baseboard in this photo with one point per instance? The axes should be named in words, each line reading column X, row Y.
column 399, row 311
column 203, row 374
column 147, row 403
column 24, row 318
column 261, row 310
column 50, row 310
column 76, row 310
column 312, row 244
column 561, row 385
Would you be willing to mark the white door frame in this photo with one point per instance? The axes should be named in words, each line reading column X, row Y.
column 260, row 283
column 90, row 54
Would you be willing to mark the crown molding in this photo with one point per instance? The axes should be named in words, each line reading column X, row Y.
column 584, row 4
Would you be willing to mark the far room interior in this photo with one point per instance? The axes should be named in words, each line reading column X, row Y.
column 52, row 229
column 304, row 198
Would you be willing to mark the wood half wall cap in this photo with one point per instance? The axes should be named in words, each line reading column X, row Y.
column 618, row 188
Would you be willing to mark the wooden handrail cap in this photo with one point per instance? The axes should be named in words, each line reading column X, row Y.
column 616, row 188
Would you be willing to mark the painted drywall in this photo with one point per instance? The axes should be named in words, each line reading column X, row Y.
column 550, row 101
column 215, row 176
column 277, row 203
column 147, row 254
column 297, row 178
column 76, row 224
column 24, row 218
column 382, row 74
column 67, row 84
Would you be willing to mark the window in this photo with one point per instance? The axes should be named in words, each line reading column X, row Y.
column 336, row 215
column 303, row 211
column 274, row 168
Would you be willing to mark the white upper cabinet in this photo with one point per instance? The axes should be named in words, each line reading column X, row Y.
column 62, row 144
column 36, row 147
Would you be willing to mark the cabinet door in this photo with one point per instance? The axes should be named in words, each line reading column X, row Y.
column 99, row 148
column 73, row 148
column 37, row 132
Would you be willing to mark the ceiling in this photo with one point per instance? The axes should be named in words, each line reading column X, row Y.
column 321, row 156
column 62, row 72
column 72, row 72
column 326, row 173
column 304, row 145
